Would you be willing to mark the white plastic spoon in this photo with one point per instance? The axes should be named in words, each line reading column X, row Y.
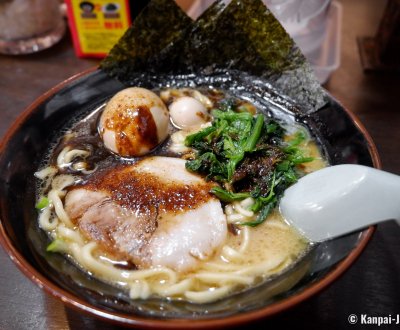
column 340, row 199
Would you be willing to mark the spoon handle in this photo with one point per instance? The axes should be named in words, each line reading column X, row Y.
column 382, row 201
column 340, row 199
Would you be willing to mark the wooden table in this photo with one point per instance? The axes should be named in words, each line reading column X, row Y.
column 371, row 286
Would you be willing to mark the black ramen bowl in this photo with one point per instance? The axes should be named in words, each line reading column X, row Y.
column 339, row 134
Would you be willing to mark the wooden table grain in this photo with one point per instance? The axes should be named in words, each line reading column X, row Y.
column 371, row 286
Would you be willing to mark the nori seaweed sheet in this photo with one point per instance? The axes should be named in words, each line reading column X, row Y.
column 242, row 36
column 145, row 46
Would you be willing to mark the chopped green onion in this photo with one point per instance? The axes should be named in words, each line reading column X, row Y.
column 57, row 245
column 42, row 203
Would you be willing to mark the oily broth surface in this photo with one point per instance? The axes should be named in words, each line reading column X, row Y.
column 269, row 239
column 272, row 240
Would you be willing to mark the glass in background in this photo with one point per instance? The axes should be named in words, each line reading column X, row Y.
column 27, row 26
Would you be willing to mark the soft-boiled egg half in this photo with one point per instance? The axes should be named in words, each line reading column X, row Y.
column 134, row 122
column 187, row 113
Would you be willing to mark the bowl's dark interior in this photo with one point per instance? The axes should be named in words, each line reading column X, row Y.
column 341, row 140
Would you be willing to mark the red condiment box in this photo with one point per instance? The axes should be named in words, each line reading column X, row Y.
column 97, row 25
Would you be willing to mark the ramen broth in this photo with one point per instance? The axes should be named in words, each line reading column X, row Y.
column 241, row 257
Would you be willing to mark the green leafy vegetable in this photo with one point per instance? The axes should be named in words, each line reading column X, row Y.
column 223, row 145
column 255, row 134
column 199, row 135
column 229, row 196
column 262, row 216
column 248, row 156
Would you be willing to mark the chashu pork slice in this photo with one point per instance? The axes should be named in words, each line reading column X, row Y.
column 152, row 213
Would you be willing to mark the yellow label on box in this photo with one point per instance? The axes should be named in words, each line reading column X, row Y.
column 97, row 25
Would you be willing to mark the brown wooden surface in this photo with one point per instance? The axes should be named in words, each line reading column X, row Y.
column 371, row 286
